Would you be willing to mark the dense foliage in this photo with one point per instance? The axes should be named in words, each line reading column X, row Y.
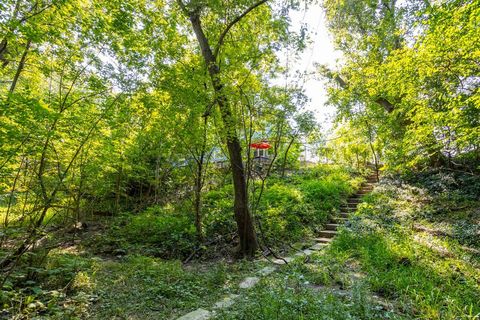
column 410, row 79
column 79, row 278
column 147, row 146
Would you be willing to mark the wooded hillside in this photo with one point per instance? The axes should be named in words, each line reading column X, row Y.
column 154, row 153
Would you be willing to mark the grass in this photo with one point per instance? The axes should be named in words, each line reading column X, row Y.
column 309, row 291
column 410, row 252
column 76, row 285
column 385, row 264
column 429, row 274
column 131, row 266
column 147, row 288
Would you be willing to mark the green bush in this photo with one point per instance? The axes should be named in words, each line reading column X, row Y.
column 218, row 217
column 295, row 207
column 289, row 209
column 280, row 211
column 156, row 231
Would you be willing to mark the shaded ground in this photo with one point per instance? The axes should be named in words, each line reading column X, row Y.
column 410, row 251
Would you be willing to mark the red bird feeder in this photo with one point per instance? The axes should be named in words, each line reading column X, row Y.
column 260, row 145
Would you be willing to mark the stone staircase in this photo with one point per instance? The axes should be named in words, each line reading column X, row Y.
column 326, row 236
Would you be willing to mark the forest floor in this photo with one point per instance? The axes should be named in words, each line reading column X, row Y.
column 411, row 250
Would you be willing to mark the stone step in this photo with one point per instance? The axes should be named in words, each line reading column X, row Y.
column 354, row 201
column 366, row 188
column 318, row 246
column 364, row 191
column 344, row 215
column 267, row 270
column 361, row 193
column 357, row 195
column 351, row 204
column 340, row 220
column 327, row 233
column 323, row 240
column 199, row 314
column 249, row 282
column 332, row 226
column 226, row 302
column 348, row 208
column 283, row 260
column 303, row 253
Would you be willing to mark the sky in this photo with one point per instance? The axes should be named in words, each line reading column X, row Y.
column 319, row 50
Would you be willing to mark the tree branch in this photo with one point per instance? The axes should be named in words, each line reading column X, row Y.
column 183, row 7
column 232, row 23
column 387, row 105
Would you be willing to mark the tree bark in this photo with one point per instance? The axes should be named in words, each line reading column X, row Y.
column 284, row 164
column 3, row 52
column 20, row 67
column 243, row 218
column 199, row 182
column 198, row 199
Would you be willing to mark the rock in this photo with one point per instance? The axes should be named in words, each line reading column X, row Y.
column 225, row 302
column 307, row 252
column 199, row 314
column 283, row 261
column 249, row 282
column 267, row 270
column 318, row 246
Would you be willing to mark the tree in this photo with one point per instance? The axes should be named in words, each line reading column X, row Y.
column 407, row 68
column 245, row 225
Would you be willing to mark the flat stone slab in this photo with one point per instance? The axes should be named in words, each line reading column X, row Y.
column 307, row 252
column 318, row 246
column 283, row 261
column 323, row 240
column 267, row 270
column 225, row 302
column 249, row 282
column 199, row 314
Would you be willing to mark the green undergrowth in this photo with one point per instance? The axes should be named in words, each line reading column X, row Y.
column 129, row 266
column 415, row 240
column 409, row 252
column 319, row 288
column 290, row 209
column 79, row 286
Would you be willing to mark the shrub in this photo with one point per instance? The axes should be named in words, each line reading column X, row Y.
column 218, row 211
column 157, row 231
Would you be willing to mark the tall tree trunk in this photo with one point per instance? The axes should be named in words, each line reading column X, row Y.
column 284, row 164
column 370, row 142
column 3, row 52
column 21, row 64
column 199, row 181
column 198, row 199
column 245, row 227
